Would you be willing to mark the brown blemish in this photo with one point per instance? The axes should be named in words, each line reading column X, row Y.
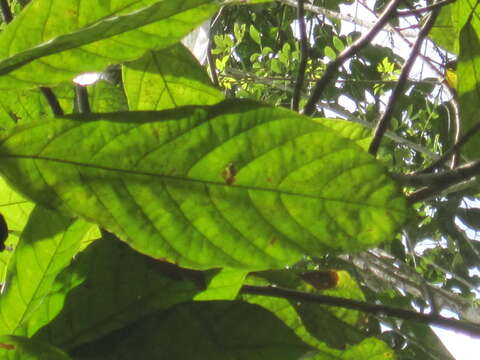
column 229, row 173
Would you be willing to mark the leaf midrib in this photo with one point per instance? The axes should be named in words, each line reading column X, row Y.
column 192, row 180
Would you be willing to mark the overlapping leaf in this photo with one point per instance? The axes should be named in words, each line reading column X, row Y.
column 53, row 40
column 47, row 245
column 167, row 79
column 214, row 330
column 238, row 184
column 109, row 287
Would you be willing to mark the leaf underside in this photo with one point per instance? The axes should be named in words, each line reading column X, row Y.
column 236, row 184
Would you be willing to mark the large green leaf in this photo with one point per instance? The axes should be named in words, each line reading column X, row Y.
column 469, row 84
column 167, row 79
column 108, row 288
column 237, row 184
column 22, row 348
column 47, row 245
column 52, row 40
column 214, row 330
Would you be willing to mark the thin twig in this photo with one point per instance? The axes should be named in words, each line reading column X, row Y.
column 303, row 56
column 52, row 101
column 332, row 67
column 343, row 17
column 376, row 309
column 83, row 104
column 425, row 9
column 6, row 11
column 452, row 92
column 384, row 121
column 210, row 59
column 211, row 63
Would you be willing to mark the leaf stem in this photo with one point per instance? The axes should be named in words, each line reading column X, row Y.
column 6, row 11
column 82, row 99
column 52, row 100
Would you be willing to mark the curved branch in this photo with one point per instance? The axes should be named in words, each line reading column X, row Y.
column 459, row 325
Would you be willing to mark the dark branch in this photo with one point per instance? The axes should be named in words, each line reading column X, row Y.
column 435, row 184
column 82, row 99
column 6, row 12
column 463, row 326
column 384, row 121
column 52, row 101
column 303, row 56
column 453, row 150
column 332, row 67
column 445, row 178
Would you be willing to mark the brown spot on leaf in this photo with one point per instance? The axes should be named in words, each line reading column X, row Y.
column 229, row 173
column 7, row 346
column 321, row 280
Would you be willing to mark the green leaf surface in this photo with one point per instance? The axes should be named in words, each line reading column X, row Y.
column 105, row 96
column 450, row 22
column 21, row 106
column 223, row 284
column 15, row 210
column 237, row 184
column 47, row 245
column 53, row 40
column 468, row 72
column 109, row 287
column 167, row 79
column 368, row 349
column 349, row 130
column 22, row 348
column 214, row 330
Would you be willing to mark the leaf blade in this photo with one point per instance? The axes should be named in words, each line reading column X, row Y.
column 300, row 188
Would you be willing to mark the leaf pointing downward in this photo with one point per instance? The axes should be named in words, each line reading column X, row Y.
column 155, row 179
